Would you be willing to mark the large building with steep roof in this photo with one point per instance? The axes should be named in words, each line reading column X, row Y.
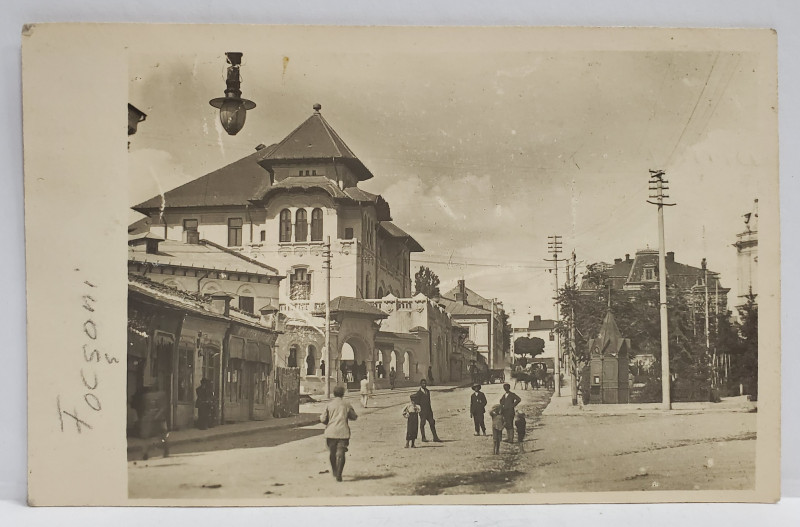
column 275, row 209
column 280, row 204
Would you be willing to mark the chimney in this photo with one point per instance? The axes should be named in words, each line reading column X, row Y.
column 221, row 303
column 627, row 257
column 617, row 260
column 461, row 295
column 262, row 146
column 537, row 318
column 670, row 256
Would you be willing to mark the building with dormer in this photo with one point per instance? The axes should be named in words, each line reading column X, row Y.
column 279, row 207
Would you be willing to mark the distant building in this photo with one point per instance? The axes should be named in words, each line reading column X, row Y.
column 476, row 313
column 747, row 257
column 543, row 329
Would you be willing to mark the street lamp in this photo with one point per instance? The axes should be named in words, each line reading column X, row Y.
column 232, row 108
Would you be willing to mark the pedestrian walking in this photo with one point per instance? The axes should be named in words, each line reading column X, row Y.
column 152, row 407
column 508, row 403
column 364, row 392
column 204, row 404
column 336, row 417
column 477, row 409
column 392, row 378
column 423, row 396
column 411, row 413
column 322, row 367
column 497, row 427
column 520, row 424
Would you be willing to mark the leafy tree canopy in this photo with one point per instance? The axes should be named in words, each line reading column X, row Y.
column 427, row 282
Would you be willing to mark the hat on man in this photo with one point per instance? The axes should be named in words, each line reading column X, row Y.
column 476, row 385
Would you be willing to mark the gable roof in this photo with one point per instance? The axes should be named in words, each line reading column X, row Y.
column 609, row 340
column 460, row 309
column 315, row 139
column 232, row 184
column 356, row 306
column 632, row 271
column 204, row 255
column 396, row 232
column 473, row 298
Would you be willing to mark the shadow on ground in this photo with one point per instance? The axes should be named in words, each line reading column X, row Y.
column 486, row 481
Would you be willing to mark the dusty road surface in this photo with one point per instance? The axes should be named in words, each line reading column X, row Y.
column 561, row 453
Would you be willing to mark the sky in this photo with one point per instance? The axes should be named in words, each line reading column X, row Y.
column 482, row 156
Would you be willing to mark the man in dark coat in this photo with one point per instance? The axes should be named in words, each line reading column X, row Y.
column 426, row 413
column 477, row 407
column 508, row 404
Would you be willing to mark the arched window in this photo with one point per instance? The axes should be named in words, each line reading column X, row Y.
column 286, row 226
column 291, row 360
column 301, row 226
column 367, row 287
column 316, row 225
column 380, row 292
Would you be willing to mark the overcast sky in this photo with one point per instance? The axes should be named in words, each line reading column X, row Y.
column 482, row 156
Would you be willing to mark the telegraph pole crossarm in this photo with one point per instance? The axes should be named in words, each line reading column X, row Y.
column 554, row 247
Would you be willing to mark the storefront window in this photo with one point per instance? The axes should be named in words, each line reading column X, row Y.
column 234, row 380
column 185, row 371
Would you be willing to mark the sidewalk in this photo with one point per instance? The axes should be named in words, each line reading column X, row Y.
column 563, row 406
column 194, row 435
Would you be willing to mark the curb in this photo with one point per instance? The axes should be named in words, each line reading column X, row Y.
column 312, row 418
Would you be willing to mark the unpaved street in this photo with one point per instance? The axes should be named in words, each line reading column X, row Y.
column 561, row 453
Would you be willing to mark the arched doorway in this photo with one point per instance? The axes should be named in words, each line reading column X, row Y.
column 355, row 362
column 407, row 365
column 291, row 360
column 393, row 361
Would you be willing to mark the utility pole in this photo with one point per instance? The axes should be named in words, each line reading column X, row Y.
column 491, row 337
column 657, row 179
column 327, row 265
column 573, row 366
column 554, row 248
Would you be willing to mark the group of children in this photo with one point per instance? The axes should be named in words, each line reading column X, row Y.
column 499, row 422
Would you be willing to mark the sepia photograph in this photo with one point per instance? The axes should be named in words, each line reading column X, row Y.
column 371, row 274
column 417, row 265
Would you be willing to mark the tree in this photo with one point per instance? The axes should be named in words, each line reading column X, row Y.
column 426, row 282
column 747, row 366
column 637, row 316
column 531, row 346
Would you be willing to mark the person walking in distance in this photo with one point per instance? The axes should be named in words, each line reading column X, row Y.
column 423, row 396
column 508, row 403
column 477, row 407
column 392, row 378
column 497, row 427
column 364, row 392
column 336, row 417
column 411, row 413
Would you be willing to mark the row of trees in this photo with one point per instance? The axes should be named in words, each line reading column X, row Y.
column 692, row 365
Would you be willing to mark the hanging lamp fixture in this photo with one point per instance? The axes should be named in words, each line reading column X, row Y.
column 232, row 108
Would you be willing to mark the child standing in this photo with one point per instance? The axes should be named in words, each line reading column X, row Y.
column 411, row 413
column 497, row 426
column 520, row 423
